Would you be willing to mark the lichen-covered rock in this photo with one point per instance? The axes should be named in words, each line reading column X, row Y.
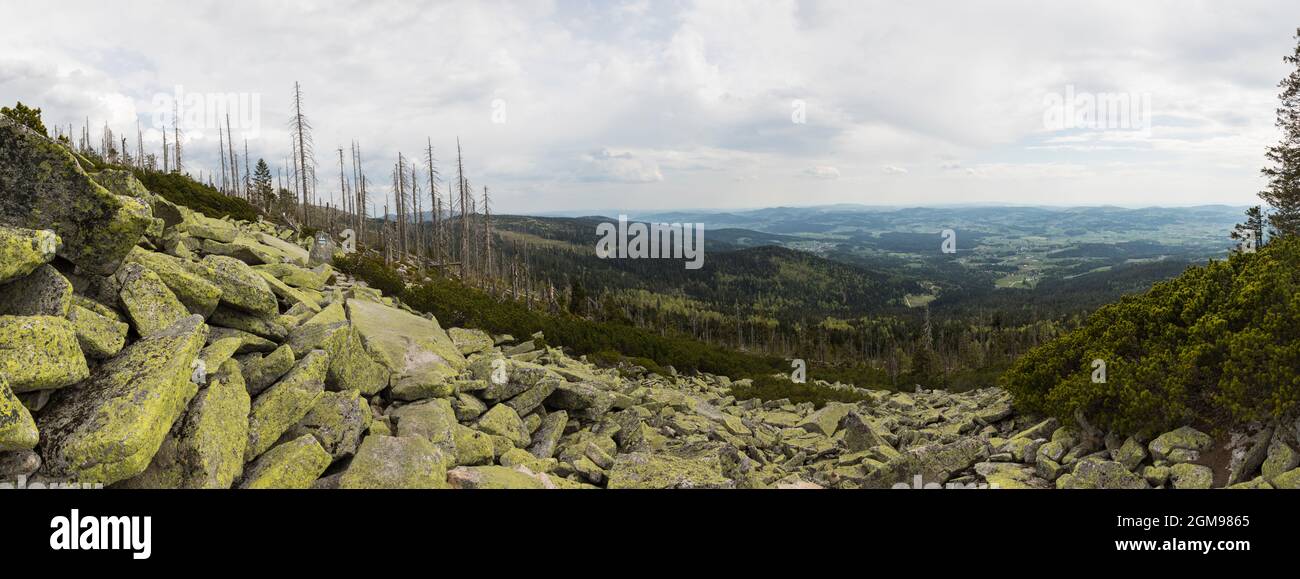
column 100, row 337
column 1281, row 458
column 470, row 341
column 586, row 397
column 1287, row 480
column 396, row 462
column 147, row 301
column 45, row 188
column 24, row 250
column 491, row 477
column 639, row 470
column 501, row 420
column 260, row 372
column 241, row 287
column 109, row 428
column 528, row 400
column 547, row 437
column 826, row 420
column 204, row 227
column 198, row 294
column 1182, row 445
column 351, row 367
column 291, row 252
column 473, row 447
column 415, row 350
column 293, row 465
column 256, row 324
column 43, row 293
column 1191, row 476
column 284, row 404
column 205, row 448
column 1130, row 454
column 432, row 420
column 1093, row 473
column 295, row 276
column 338, row 421
column 940, row 462
column 40, row 353
column 290, row 295
column 17, row 429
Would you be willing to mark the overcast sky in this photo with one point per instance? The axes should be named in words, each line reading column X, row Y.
column 711, row 104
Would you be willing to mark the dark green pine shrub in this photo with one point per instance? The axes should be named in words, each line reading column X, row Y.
column 1217, row 346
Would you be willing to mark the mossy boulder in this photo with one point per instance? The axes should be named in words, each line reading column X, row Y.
column 205, row 448
column 501, row 420
column 45, row 188
column 1182, row 445
column 473, row 447
column 396, row 462
column 432, row 420
column 285, row 403
column 24, row 250
column 198, row 294
column 1094, row 473
column 109, row 428
column 639, row 470
column 1191, row 476
column 295, row 464
column 546, row 438
column 260, row 371
column 100, row 337
column 291, row 252
column 470, row 341
column 492, row 477
column 415, row 350
column 338, row 421
column 351, row 366
column 241, row 287
column 257, row 324
column 17, row 429
column 149, row 305
column 43, row 293
column 40, row 353
column 204, row 227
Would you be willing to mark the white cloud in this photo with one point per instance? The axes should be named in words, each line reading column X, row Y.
column 690, row 101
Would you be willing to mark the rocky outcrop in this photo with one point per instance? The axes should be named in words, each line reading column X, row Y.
column 184, row 351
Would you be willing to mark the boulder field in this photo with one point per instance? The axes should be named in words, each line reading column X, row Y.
column 145, row 345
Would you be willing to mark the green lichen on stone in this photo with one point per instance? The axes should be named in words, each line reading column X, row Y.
column 24, row 250
column 205, row 448
column 290, row 295
column 338, row 420
column 491, row 477
column 17, row 429
column 473, row 447
column 501, row 420
column 256, row 324
column 198, row 294
column 100, row 337
column 150, row 306
column 241, row 287
column 295, row 276
column 45, row 188
column 40, row 353
column 285, row 403
column 204, row 227
column 640, row 470
column 45, row 292
column 414, row 349
column 293, row 465
column 218, row 352
column 432, row 420
column 260, row 372
column 109, row 428
column 396, row 462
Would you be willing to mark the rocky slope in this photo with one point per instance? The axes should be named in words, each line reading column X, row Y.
column 144, row 345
